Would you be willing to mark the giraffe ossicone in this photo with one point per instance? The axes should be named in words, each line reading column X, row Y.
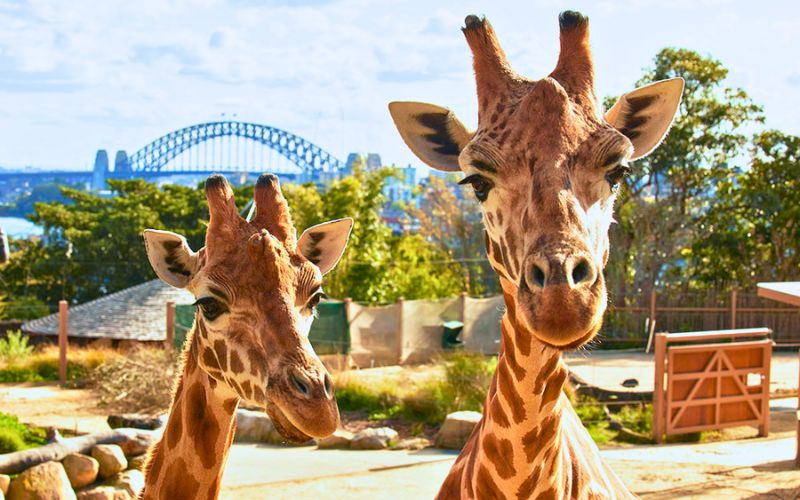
column 545, row 163
column 256, row 286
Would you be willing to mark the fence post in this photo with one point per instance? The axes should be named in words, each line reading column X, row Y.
column 170, row 342
column 659, row 413
column 63, row 325
column 653, row 306
column 348, row 304
column 400, row 310
column 463, row 305
column 733, row 309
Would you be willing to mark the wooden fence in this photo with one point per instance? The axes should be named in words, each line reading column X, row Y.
column 629, row 318
column 712, row 385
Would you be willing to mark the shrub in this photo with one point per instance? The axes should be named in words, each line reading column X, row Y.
column 15, row 346
column 15, row 436
column 23, row 307
column 10, row 441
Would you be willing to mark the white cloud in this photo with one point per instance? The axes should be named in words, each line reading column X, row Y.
column 81, row 75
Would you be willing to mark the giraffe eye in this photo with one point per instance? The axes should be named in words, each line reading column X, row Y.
column 211, row 307
column 315, row 299
column 615, row 175
column 480, row 184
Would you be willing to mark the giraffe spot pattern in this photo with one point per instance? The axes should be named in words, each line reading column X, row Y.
column 500, row 453
column 509, row 392
column 526, row 489
column 222, row 354
column 203, row 423
column 178, row 482
column 553, row 389
column 485, row 487
column 174, row 428
column 236, row 363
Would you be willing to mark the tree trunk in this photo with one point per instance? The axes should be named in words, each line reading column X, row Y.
column 132, row 441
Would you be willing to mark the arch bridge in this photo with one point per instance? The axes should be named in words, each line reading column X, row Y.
column 227, row 147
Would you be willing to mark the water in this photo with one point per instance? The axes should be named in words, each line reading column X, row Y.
column 18, row 227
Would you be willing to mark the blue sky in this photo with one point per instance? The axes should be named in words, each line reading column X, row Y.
column 80, row 75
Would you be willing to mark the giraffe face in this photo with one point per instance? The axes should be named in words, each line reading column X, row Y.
column 545, row 164
column 257, row 288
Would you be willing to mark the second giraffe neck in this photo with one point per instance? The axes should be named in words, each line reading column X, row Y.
column 189, row 460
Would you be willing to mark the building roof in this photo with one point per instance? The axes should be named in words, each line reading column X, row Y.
column 136, row 313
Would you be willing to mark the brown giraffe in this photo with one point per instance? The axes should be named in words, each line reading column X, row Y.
column 256, row 286
column 545, row 163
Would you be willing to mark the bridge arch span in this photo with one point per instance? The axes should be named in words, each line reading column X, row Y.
column 153, row 157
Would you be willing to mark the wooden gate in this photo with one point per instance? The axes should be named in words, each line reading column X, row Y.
column 711, row 385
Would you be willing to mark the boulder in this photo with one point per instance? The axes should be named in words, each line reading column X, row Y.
column 131, row 481
column 5, row 480
column 111, row 457
column 103, row 493
column 456, row 429
column 137, row 462
column 255, row 427
column 339, row 440
column 378, row 438
column 139, row 443
column 47, row 480
column 414, row 443
column 134, row 420
column 81, row 469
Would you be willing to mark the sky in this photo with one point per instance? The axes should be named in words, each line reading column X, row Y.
column 77, row 76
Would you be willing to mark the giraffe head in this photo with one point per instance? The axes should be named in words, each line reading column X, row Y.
column 545, row 163
column 256, row 286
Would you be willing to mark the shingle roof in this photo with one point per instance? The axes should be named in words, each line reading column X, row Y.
column 136, row 313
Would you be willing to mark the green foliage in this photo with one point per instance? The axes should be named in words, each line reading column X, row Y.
column 464, row 387
column 751, row 231
column 15, row 436
column 23, row 307
column 15, row 346
column 420, row 270
column 669, row 189
column 10, row 441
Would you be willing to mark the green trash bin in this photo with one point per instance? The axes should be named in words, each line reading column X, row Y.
column 451, row 331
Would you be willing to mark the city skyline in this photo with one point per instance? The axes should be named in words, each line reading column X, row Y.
column 80, row 76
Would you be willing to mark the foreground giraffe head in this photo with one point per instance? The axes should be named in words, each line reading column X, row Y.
column 545, row 163
column 256, row 286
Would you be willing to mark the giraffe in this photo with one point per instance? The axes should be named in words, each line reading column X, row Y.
column 257, row 286
column 545, row 164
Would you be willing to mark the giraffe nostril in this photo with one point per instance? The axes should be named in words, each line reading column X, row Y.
column 328, row 385
column 580, row 272
column 538, row 276
column 300, row 385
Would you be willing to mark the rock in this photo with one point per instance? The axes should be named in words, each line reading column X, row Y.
column 137, row 462
column 81, row 469
column 255, row 427
column 456, row 429
column 374, row 439
column 43, row 481
column 135, row 421
column 339, row 440
column 414, row 443
column 138, row 443
column 5, row 479
column 111, row 457
column 103, row 493
column 131, row 481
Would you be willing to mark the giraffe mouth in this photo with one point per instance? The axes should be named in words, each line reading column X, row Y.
column 285, row 427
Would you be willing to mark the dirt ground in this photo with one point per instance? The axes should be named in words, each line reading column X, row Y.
column 651, row 472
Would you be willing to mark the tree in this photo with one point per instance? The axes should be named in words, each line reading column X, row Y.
column 669, row 190
column 751, row 231
column 454, row 225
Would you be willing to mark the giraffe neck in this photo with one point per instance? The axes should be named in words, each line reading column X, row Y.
column 529, row 443
column 189, row 459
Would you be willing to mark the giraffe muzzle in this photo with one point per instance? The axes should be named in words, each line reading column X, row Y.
column 562, row 296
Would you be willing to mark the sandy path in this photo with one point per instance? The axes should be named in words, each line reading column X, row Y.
column 48, row 405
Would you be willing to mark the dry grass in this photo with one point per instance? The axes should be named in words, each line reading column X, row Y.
column 139, row 382
column 42, row 364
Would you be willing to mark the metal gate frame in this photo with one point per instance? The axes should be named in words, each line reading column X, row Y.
column 717, row 395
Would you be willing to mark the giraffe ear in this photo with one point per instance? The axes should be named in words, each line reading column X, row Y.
column 433, row 133
column 172, row 259
column 645, row 115
column 324, row 243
